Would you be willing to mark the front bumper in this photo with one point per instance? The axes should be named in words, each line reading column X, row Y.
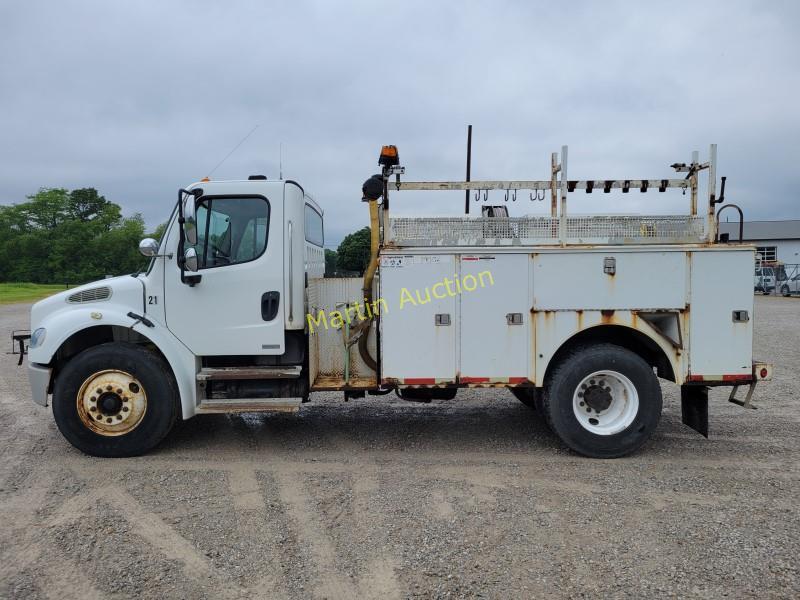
column 39, row 378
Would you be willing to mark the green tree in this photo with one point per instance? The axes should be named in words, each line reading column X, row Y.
column 353, row 252
column 86, row 204
column 46, row 209
column 330, row 263
column 67, row 237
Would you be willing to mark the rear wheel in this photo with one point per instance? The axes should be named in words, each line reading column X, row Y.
column 603, row 401
column 115, row 400
column 785, row 290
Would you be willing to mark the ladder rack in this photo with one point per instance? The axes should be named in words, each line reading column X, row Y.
column 558, row 228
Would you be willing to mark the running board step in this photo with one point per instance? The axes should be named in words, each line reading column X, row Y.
column 219, row 373
column 242, row 405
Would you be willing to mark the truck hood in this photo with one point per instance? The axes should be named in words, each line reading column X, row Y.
column 124, row 290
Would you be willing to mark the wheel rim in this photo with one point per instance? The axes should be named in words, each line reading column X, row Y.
column 605, row 402
column 111, row 403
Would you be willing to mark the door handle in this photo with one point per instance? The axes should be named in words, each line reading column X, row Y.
column 270, row 301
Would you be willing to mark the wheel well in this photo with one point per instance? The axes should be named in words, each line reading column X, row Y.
column 101, row 334
column 626, row 337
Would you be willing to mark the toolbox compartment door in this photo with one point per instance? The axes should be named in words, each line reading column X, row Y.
column 418, row 337
column 721, row 343
column 495, row 319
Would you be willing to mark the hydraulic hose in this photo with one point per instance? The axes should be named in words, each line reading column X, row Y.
column 369, row 276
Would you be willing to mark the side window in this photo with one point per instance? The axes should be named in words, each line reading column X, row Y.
column 313, row 222
column 231, row 230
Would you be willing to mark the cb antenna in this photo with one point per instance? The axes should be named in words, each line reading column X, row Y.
column 236, row 147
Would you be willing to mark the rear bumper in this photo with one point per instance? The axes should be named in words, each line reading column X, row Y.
column 39, row 378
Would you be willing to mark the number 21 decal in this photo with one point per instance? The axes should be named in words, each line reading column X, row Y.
column 152, row 299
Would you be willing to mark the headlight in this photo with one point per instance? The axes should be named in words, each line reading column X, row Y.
column 37, row 337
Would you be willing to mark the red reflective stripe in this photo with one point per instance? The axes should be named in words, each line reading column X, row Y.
column 737, row 377
column 469, row 258
column 474, row 379
column 517, row 379
column 719, row 378
column 418, row 381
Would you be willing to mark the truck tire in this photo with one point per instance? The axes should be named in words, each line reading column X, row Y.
column 603, row 401
column 115, row 400
column 785, row 290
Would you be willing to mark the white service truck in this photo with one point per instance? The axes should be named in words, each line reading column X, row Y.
column 578, row 315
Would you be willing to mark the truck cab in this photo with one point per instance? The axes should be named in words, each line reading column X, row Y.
column 224, row 326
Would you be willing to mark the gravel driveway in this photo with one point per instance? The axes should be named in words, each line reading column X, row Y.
column 381, row 498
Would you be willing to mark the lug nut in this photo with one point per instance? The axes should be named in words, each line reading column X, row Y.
column 582, row 403
column 125, row 409
column 93, row 408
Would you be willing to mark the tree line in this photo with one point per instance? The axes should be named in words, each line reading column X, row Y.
column 72, row 237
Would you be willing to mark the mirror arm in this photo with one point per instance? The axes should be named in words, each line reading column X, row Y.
column 190, row 280
column 181, row 237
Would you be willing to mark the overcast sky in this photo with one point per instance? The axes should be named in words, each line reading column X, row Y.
column 140, row 98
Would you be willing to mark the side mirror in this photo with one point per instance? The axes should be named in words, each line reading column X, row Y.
column 148, row 247
column 190, row 260
column 190, row 220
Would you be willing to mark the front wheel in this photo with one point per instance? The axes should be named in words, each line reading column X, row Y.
column 603, row 401
column 115, row 400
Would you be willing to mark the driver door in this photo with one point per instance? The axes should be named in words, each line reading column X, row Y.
column 237, row 306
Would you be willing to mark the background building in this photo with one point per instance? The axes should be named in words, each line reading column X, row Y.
column 774, row 240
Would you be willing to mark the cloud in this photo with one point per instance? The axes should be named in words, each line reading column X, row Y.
column 138, row 99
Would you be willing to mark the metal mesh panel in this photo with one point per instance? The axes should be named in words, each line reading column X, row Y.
column 636, row 229
column 500, row 231
column 439, row 231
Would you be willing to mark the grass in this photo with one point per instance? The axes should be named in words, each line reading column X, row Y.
column 12, row 293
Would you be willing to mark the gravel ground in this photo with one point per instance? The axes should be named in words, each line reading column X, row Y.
column 380, row 498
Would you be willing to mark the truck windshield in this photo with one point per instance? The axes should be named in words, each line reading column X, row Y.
column 231, row 230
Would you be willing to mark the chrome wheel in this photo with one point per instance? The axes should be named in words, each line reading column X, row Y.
column 111, row 402
column 605, row 402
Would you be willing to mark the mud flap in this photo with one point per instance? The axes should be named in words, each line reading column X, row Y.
column 694, row 407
